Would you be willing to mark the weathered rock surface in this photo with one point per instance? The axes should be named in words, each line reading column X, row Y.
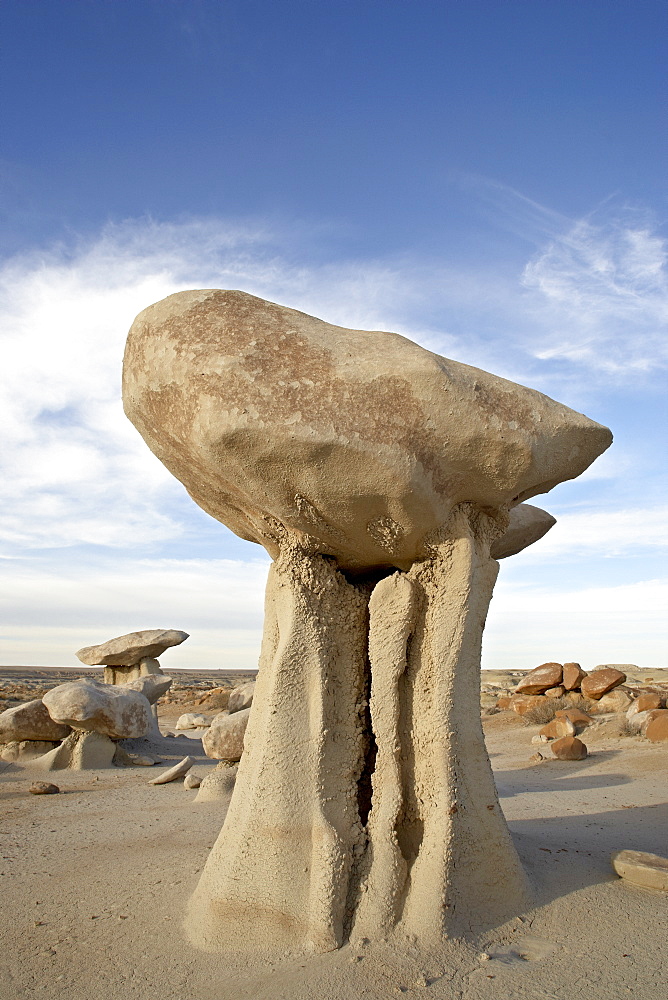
column 527, row 524
column 521, row 703
column 177, row 771
column 538, row 680
column 27, row 749
column 81, row 751
column 647, row 702
column 573, row 676
column 192, row 720
column 43, row 788
column 218, row 783
column 241, row 697
column 600, row 681
column 556, row 692
column 559, row 727
column 656, row 726
column 117, row 712
column 129, row 649
column 617, row 700
column 152, row 686
column 360, row 441
column 192, row 781
column 30, row 721
column 224, row 740
column 579, row 718
column 641, row 868
column 569, row 748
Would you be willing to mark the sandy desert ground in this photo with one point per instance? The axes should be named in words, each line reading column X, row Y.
column 95, row 882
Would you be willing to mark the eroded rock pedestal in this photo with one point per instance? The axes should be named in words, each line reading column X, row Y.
column 382, row 479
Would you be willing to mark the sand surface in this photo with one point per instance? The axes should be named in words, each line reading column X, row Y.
column 95, row 882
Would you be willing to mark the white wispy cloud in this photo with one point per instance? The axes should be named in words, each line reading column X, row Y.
column 605, row 533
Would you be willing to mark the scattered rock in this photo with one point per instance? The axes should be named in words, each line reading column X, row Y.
column 192, row 781
column 640, row 868
column 540, row 739
column 538, row 680
column 573, row 676
column 218, row 783
column 656, row 727
column 214, row 700
column 637, row 720
column 27, row 749
column 579, row 718
column 224, row 740
column 536, row 757
column 647, row 702
column 556, row 692
column 129, row 649
column 81, row 751
column 618, row 700
column 152, row 686
column 114, row 711
column 569, row 748
column 43, row 788
column 561, row 726
column 192, row 720
column 178, row 771
column 600, row 681
column 521, row 703
column 30, row 721
column 241, row 697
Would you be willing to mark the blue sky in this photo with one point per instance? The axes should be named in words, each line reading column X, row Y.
column 487, row 178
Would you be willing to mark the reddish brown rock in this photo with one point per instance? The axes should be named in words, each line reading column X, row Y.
column 538, row 680
column 555, row 692
column 648, row 702
column 43, row 788
column 559, row 727
column 521, row 703
column 579, row 718
column 573, row 676
column 503, row 702
column 656, row 727
column 569, row 748
column 599, row 682
column 617, row 700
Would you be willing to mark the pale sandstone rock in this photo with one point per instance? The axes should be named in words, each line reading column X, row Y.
column 573, row 676
column 579, row 718
column 656, row 726
column 177, row 771
column 192, row 781
column 81, row 751
column 27, row 749
column 538, row 680
column 129, row 649
column 371, row 436
column 600, row 681
column 345, row 450
column 224, row 740
column 241, row 697
column 43, row 788
column 30, row 721
column 117, row 712
column 617, row 700
column 152, row 686
column 556, row 692
column 638, row 720
column 569, row 748
column 641, row 868
column 218, row 783
column 527, row 525
column 191, row 720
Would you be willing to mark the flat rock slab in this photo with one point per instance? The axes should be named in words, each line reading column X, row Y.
column 30, row 721
column 540, row 679
column 178, row 771
column 640, row 868
column 600, row 681
column 129, row 649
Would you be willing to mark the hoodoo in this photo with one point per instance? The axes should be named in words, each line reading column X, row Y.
column 383, row 480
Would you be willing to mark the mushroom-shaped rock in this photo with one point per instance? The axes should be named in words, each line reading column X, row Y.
column 102, row 708
column 126, row 650
column 380, row 477
column 30, row 721
column 526, row 525
column 362, row 442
